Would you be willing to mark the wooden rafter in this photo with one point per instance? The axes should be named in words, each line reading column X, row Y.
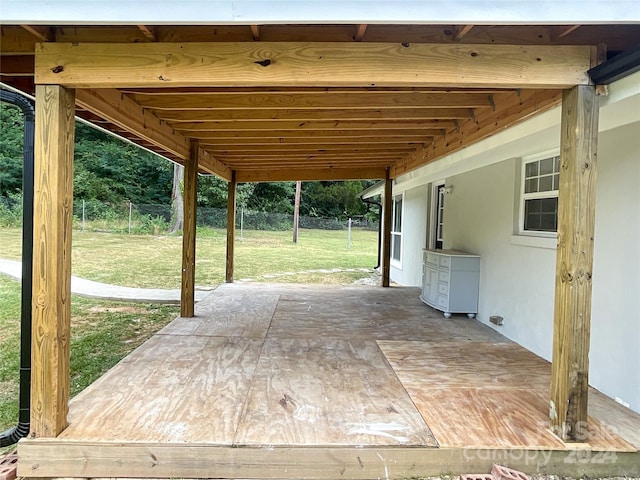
column 41, row 32
column 460, row 32
column 561, row 32
column 255, row 32
column 148, row 32
column 310, row 174
column 310, row 64
column 361, row 30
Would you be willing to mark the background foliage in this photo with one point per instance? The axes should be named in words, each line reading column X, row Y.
column 111, row 173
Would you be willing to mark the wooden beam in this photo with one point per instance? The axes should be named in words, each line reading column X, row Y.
column 231, row 226
column 315, row 125
column 51, row 307
column 319, row 134
column 59, row 458
column 255, row 32
column 460, row 32
column 190, row 196
column 122, row 111
column 314, row 100
column 41, row 32
column 211, row 164
column 310, row 174
column 148, row 32
column 222, row 142
column 574, row 264
column 360, row 32
column 301, row 115
column 387, row 205
column 275, row 64
column 510, row 110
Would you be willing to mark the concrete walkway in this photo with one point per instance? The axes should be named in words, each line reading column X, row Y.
column 88, row 288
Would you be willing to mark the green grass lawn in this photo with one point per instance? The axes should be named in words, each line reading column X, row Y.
column 155, row 262
column 103, row 332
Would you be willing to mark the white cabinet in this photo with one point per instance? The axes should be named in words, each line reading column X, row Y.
column 450, row 281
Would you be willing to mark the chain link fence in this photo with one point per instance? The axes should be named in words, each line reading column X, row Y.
column 156, row 219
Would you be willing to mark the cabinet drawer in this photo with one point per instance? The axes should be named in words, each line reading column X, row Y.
column 443, row 288
column 431, row 258
column 445, row 261
column 443, row 276
column 443, row 301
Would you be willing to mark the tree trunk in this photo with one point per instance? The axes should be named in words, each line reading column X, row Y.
column 177, row 200
column 296, row 212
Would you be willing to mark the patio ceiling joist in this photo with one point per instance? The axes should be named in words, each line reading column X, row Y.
column 120, row 110
column 310, row 64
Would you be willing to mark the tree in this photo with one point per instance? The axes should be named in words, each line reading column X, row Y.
column 177, row 199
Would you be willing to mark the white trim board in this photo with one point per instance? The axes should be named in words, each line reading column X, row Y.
column 247, row 12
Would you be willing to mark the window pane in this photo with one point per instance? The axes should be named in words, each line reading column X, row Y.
column 546, row 166
column 556, row 181
column 556, row 164
column 541, row 214
column 397, row 215
column 395, row 247
column 531, row 169
column 531, row 185
column 548, row 222
column 546, row 183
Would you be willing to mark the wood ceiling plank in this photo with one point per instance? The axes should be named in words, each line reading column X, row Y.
column 509, row 111
column 310, row 64
column 267, row 142
column 311, row 114
column 187, row 91
column 288, row 148
column 311, row 174
column 307, row 100
column 315, row 125
column 292, row 134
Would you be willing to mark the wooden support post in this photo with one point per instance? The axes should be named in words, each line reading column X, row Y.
column 231, row 225
column 386, row 232
column 576, row 214
column 187, row 297
column 53, row 213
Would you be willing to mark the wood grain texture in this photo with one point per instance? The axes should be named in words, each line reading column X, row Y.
column 328, row 392
column 231, row 227
column 502, row 404
column 42, row 458
column 574, row 261
column 134, row 401
column 190, row 194
column 122, row 111
column 309, row 394
column 52, row 222
column 310, row 64
column 241, row 315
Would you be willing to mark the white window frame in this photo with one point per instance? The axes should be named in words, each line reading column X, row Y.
column 433, row 224
column 527, row 196
column 396, row 235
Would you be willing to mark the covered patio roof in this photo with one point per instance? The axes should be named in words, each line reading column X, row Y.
column 308, row 102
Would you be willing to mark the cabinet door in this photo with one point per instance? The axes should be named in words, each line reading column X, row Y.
column 432, row 282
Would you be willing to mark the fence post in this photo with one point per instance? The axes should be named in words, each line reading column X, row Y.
column 130, row 205
column 83, row 218
column 349, row 236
